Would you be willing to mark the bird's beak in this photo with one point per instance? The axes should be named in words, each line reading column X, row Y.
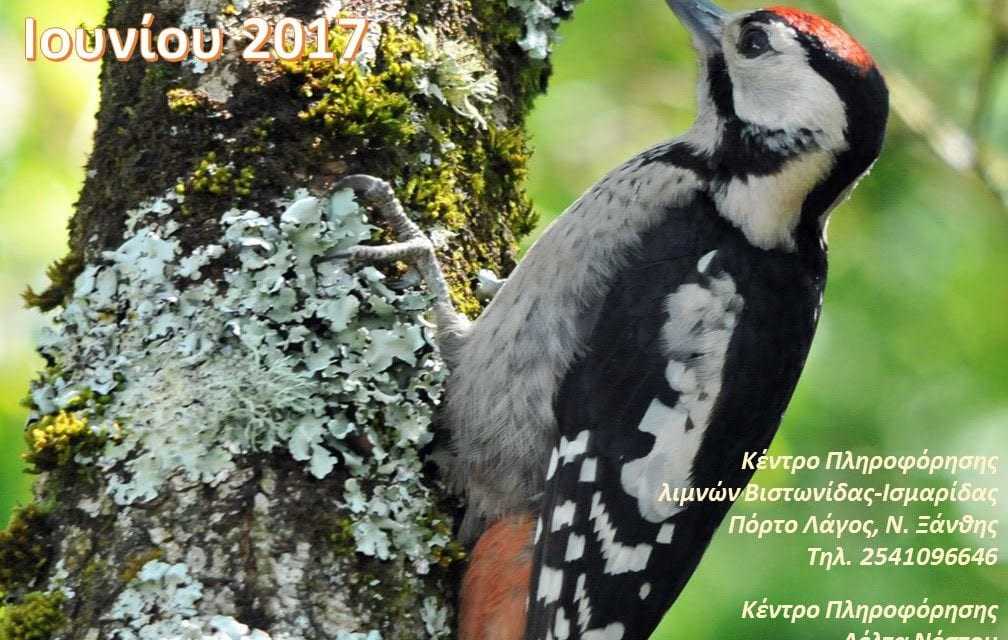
column 704, row 20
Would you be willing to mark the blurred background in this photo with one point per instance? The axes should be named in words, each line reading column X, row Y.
column 912, row 352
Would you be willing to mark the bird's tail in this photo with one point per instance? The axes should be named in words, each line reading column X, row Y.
column 495, row 589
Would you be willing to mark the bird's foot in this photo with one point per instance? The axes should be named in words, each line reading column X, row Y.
column 412, row 245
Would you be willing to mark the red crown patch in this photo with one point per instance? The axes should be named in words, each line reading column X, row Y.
column 836, row 39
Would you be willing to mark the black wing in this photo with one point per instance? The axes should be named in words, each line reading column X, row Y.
column 691, row 364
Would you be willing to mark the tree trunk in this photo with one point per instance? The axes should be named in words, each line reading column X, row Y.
column 231, row 432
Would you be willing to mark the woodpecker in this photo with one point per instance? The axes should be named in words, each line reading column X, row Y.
column 651, row 337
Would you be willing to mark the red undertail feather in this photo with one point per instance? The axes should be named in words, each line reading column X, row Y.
column 495, row 589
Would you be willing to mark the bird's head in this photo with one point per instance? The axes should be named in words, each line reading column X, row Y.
column 787, row 96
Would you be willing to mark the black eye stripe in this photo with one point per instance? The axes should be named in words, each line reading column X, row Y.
column 754, row 42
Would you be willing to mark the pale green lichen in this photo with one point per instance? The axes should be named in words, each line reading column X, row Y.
column 435, row 619
column 161, row 602
column 457, row 74
column 542, row 17
column 289, row 350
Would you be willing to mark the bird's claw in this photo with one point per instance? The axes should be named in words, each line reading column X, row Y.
column 412, row 246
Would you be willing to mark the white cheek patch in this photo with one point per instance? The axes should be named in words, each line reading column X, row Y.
column 767, row 209
column 781, row 91
column 701, row 321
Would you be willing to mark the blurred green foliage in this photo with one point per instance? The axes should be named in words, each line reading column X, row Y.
column 912, row 349
column 47, row 112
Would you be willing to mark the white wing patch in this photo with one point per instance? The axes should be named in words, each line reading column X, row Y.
column 669, row 461
column 700, row 326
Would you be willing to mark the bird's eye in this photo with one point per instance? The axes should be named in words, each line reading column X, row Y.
column 754, row 42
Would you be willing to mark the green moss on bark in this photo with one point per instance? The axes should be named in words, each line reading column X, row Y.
column 37, row 617
column 501, row 27
column 25, row 549
column 61, row 276
column 184, row 101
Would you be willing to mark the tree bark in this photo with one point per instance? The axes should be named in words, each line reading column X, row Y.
column 232, row 433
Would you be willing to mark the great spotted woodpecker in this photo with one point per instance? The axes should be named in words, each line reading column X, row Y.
column 651, row 337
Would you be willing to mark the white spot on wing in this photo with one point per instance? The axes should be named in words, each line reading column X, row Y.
column 571, row 449
column 563, row 516
column 670, row 460
column 575, row 547
column 550, row 584
column 645, row 590
column 588, row 470
column 554, row 457
column 614, row 631
column 561, row 626
column 620, row 558
column 584, row 604
column 665, row 533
